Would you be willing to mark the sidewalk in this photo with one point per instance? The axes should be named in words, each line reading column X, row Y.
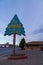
column 34, row 58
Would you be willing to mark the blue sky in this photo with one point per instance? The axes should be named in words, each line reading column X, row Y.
column 30, row 13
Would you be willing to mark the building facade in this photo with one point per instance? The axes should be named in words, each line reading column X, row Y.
column 35, row 45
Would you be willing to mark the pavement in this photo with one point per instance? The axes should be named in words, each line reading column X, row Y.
column 34, row 58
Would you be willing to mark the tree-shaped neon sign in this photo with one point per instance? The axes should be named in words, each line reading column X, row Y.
column 15, row 27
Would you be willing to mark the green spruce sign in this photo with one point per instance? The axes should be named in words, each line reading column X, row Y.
column 15, row 27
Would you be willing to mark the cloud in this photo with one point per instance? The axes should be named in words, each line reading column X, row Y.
column 4, row 39
column 39, row 30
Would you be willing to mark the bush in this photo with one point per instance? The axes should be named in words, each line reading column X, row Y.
column 22, row 43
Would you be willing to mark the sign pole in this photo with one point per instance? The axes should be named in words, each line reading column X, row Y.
column 14, row 38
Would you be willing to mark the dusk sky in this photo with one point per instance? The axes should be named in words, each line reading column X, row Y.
column 30, row 13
